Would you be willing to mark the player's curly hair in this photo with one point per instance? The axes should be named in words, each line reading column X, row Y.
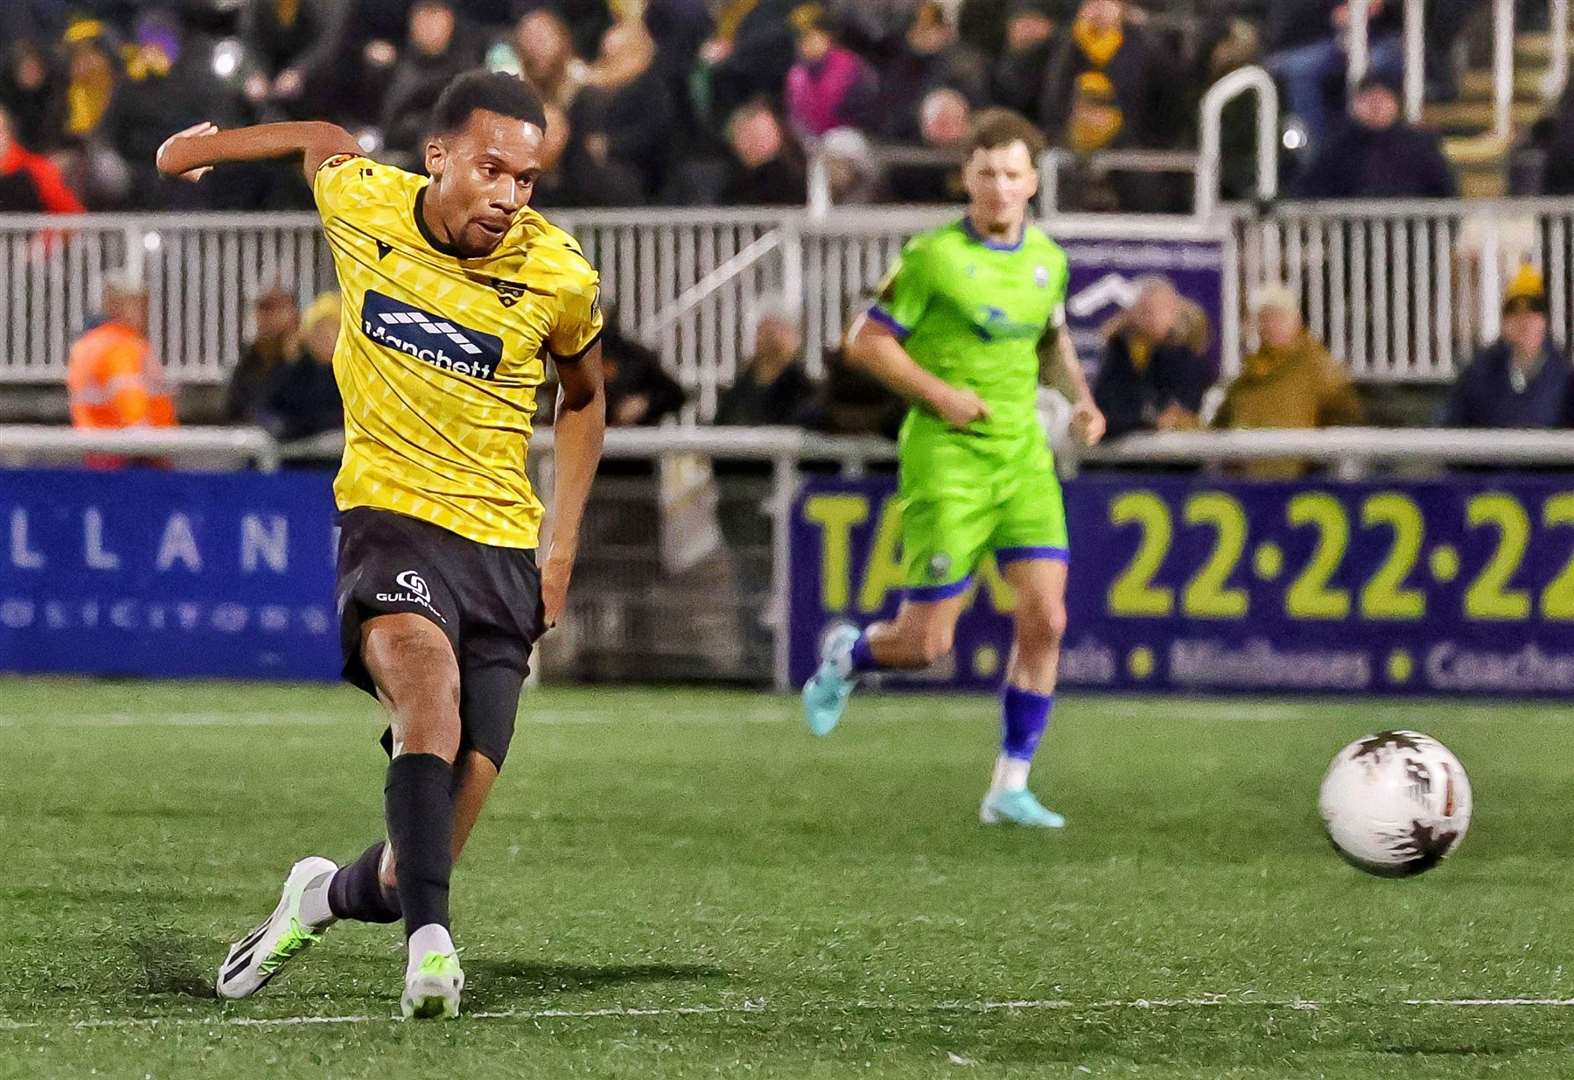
column 489, row 91
column 995, row 128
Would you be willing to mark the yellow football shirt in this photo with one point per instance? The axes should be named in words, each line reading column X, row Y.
column 439, row 358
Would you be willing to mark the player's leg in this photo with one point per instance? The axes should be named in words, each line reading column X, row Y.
column 1031, row 550
column 943, row 534
column 1029, row 694
column 412, row 663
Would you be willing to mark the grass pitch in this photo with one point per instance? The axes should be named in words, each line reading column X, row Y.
column 686, row 884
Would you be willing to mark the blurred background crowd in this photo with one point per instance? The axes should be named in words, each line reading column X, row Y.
column 716, row 102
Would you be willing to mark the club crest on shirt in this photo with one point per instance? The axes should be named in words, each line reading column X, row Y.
column 1041, row 276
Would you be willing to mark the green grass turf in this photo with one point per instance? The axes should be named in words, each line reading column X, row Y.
column 827, row 908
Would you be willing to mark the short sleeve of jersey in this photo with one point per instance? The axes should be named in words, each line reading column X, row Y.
column 579, row 320
column 904, row 294
column 340, row 183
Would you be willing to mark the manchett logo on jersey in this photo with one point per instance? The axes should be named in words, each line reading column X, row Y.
column 431, row 338
column 416, row 592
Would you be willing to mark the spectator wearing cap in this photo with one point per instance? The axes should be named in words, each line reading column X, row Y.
column 1521, row 380
column 829, row 86
column 1290, row 381
column 852, row 174
column 1377, row 156
column 1306, row 45
column 931, row 57
column 1146, row 92
column 29, row 182
column 1154, row 373
column 1018, row 75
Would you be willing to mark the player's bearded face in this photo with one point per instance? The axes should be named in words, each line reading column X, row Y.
column 1000, row 184
column 482, row 175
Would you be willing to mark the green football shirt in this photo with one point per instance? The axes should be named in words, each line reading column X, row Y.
column 972, row 312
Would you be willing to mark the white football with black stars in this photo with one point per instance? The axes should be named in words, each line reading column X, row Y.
column 1396, row 803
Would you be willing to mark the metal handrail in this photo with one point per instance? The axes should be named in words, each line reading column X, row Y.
column 1241, row 81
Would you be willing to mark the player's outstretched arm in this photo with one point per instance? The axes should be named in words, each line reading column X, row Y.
column 1061, row 369
column 872, row 348
column 578, row 432
column 191, row 153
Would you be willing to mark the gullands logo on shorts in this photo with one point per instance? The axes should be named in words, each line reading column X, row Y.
column 438, row 341
column 416, row 592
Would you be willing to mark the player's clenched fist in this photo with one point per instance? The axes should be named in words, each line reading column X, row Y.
column 1087, row 423
column 959, row 407
column 174, row 158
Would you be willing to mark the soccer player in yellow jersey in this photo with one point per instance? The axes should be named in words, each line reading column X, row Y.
column 456, row 295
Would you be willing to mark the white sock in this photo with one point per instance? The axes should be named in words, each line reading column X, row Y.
column 844, row 660
column 429, row 939
column 315, row 910
column 1010, row 775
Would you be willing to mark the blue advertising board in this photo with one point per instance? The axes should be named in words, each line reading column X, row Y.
column 1463, row 585
column 143, row 572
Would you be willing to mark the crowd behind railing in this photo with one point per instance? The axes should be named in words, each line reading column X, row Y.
column 1153, row 374
column 722, row 102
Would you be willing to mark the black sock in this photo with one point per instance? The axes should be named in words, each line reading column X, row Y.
column 420, row 806
column 357, row 892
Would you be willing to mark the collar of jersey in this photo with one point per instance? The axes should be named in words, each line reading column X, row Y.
column 967, row 227
column 427, row 234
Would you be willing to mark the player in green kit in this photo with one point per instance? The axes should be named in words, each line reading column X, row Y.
column 966, row 325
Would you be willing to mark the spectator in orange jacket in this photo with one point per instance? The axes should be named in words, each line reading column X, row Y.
column 114, row 379
column 29, row 182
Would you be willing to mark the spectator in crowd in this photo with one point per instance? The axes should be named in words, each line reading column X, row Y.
column 875, row 27
column 1154, row 372
column 1522, row 380
column 855, row 403
column 1148, row 96
column 542, row 50
column 112, row 377
column 278, row 320
column 278, row 34
column 830, row 86
column 748, row 56
column 437, row 49
column 1306, row 45
column 1376, row 155
column 303, row 395
column 1555, row 136
column 944, row 122
column 773, row 388
column 31, row 89
column 620, row 126
column 1238, row 45
column 167, row 87
column 1291, row 381
column 931, row 58
column 1018, row 76
column 29, row 182
column 639, row 392
column 852, row 174
column 767, row 164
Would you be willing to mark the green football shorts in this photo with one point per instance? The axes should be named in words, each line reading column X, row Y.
column 962, row 498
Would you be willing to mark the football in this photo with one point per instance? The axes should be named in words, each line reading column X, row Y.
column 1396, row 803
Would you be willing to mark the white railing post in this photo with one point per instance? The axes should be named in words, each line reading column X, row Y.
column 1415, row 59
column 1502, row 68
column 1359, row 52
column 819, row 187
column 1049, row 182
column 1490, row 277
column 1558, row 70
column 1254, row 79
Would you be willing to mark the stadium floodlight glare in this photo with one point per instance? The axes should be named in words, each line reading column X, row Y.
column 152, row 241
column 226, row 58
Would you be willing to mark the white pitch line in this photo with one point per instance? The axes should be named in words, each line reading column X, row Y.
column 753, row 1007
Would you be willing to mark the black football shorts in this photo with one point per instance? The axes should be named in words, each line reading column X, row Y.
column 486, row 599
